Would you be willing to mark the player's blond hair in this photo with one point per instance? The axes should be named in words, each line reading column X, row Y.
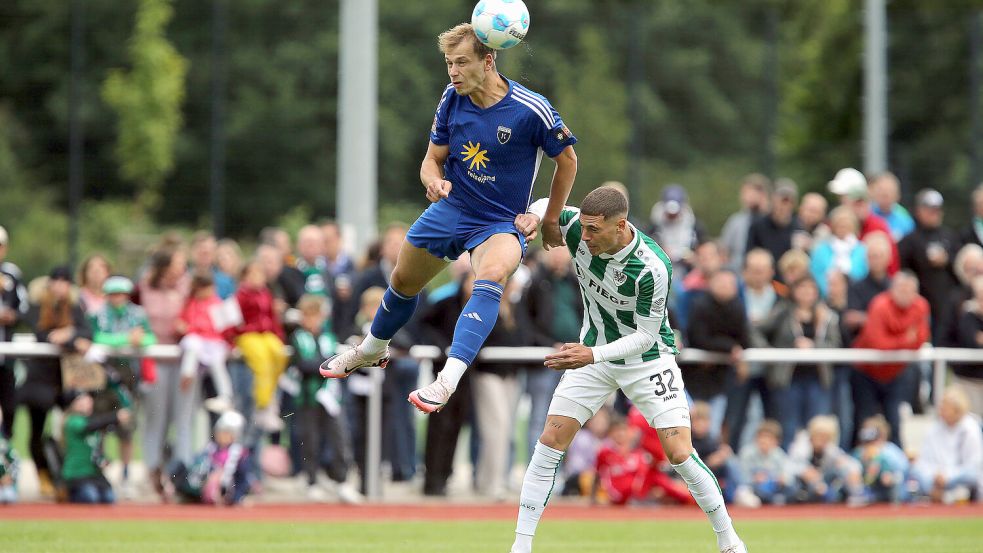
column 450, row 38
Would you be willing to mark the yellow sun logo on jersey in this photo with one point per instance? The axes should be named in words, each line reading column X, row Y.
column 477, row 156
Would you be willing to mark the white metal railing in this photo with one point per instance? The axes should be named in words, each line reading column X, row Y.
column 23, row 347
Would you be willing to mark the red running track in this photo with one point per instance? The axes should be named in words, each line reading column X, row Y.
column 451, row 511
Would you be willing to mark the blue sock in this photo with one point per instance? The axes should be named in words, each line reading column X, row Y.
column 476, row 321
column 395, row 311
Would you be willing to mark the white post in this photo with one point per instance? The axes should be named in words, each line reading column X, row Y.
column 875, row 87
column 938, row 381
column 357, row 119
column 373, row 437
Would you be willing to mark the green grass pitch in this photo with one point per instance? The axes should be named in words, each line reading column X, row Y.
column 798, row 536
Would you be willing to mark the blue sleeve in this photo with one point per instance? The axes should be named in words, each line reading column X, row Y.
column 439, row 132
column 557, row 136
column 550, row 133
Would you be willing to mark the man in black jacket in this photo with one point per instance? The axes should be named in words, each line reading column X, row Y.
column 13, row 307
column 717, row 323
column 928, row 252
column 775, row 230
column 443, row 427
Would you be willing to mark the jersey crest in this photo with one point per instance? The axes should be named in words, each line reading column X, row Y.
column 504, row 134
column 619, row 277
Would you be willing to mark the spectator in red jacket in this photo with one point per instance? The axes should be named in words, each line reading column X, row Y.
column 896, row 319
column 658, row 476
column 260, row 339
column 627, row 472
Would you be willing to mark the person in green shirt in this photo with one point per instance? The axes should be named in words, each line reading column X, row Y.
column 320, row 414
column 122, row 323
column 82, row 467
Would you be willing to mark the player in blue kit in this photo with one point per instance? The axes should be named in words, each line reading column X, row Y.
column 488, row 138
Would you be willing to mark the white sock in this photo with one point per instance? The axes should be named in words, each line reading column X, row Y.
column 371, row 345
column 523, row 544
column 706, row 491
column 537, row 486
column 453, row 371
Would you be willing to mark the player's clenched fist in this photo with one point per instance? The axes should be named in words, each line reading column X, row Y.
column 528, row 225
column 437, row 189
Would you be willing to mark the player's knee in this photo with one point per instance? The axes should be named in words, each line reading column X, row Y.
column 551, row 438
column 404, row 285
column 678, row 453
column 495, row 273
column 557, row 436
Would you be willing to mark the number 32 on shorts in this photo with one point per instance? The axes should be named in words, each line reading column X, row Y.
column 661, row 386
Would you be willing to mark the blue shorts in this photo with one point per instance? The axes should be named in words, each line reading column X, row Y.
column 447, row 231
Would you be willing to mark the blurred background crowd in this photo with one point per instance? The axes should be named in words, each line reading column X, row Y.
column 850, row 268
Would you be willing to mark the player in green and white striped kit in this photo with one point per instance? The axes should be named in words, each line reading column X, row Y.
column 626, row 343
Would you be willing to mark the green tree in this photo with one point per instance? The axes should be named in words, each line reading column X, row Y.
column 147, row 100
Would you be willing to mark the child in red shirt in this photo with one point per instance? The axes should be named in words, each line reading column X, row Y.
column 260, row 339
column 622, row 467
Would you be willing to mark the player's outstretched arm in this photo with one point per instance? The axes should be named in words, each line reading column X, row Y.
column 566, row 171
column 432, row 172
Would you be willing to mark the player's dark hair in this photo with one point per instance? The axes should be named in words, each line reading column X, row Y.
column 606, row 201
column 459, row 33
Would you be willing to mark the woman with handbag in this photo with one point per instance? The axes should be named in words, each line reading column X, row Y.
column 56, row 318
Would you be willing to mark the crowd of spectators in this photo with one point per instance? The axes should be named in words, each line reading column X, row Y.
column 784, row 273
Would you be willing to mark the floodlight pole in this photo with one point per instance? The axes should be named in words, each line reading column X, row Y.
column 357, row 120
column 356, row 183
column 875, row 87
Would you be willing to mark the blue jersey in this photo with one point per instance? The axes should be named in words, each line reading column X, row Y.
column 495, row 152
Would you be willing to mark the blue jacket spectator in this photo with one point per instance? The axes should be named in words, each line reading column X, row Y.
column 842, row 251
column 884, row 192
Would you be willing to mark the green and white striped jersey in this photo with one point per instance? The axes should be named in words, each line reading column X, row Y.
column 621, row 291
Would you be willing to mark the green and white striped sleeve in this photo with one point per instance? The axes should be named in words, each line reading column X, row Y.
column 653, row 291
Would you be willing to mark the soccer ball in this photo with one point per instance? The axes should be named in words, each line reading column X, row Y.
column 500, row 24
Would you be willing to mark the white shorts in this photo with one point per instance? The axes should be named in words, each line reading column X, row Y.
column 655, row 388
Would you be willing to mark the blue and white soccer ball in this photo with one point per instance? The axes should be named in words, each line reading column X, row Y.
column 500, row 24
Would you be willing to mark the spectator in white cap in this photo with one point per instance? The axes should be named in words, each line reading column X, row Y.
column 851, row 187
column 929, row 252
column 13, row 307
column 674, row 226
column 885, row 191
